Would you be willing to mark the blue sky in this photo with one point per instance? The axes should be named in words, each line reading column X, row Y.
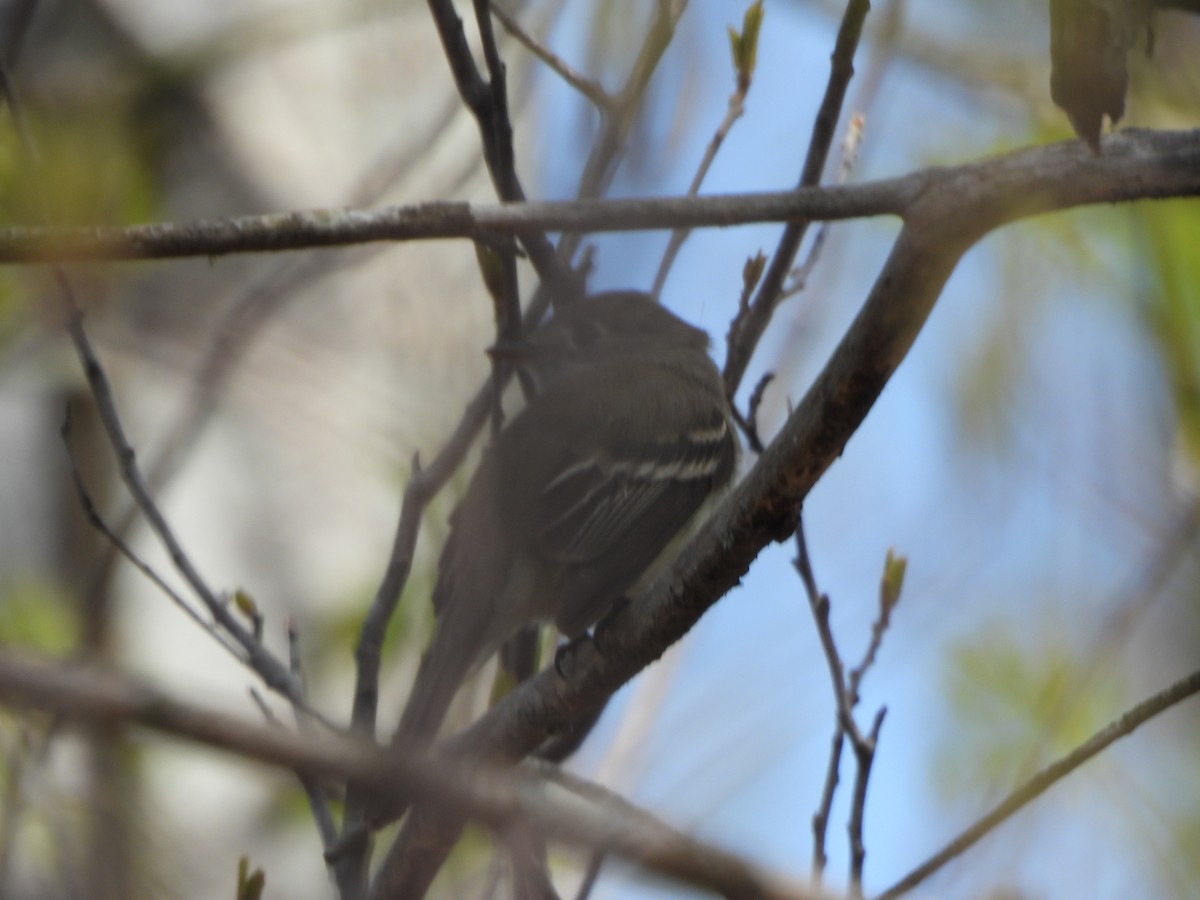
column 1030, row 527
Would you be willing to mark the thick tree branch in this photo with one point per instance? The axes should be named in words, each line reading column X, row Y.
column 1134, row 164
column 97, row 695
column 951, row 211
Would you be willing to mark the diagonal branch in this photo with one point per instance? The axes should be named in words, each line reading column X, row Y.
column 944, row 219
column 747, row 330
column 1047, row 777
column 273, row 672
column 589, row 88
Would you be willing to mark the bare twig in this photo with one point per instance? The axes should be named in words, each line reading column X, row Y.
column 749, row 422
column 746, row 330
column 1135, row 164
column 273, row 673
column 798, row 277
column 735, row 108
column 610, row 143
column 423, row 486
column 97, row 521
column 317, row 802
column 95, row 694
column 864, row 754
column 498, row 151
column 591, row 89
column 487, row 102
column 820, row 819
column 1047, row 777
column 846, row 697
column 819, row 604
column 588, row 882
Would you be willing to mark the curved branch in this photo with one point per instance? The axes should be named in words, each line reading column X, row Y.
column 955, row 208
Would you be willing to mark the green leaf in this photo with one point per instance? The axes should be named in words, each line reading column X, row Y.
column 249, row 884
column 743, row 47
column 36, row 615
column 1173, row 311
column 890, row 585
column 1017, row 701
column 491, row 267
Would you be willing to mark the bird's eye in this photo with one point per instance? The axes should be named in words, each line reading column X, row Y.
column 585, row 334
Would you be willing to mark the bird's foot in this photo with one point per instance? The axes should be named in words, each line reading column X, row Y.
column 564, row 656
column 602, row 628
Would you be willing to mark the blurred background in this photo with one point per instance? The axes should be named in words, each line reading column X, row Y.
column 1035, row 457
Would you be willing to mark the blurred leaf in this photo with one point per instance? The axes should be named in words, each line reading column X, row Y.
column 249, row 884
column 37, row 615
column 1090, row 42
column 1015, row 704
column 1170, row 231
column 752, row 271
column 743, row 47
column 491, row 267
column 91, row 169
column 892, row 582
column 245, row 604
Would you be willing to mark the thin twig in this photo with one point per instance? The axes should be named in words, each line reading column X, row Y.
column 505, row 291
column 820, row 819
column 423, row 486
column 746, row 330
column 819, row 604
column 749, row 422
column 591, row 89
column 845, row 690
column 864, row 755
column 1126, row 724
column 249, row 310
column 600, row 167
column 798, row 277
column 495, row 129
column 588, row 882
column 734, row 109
column 273, row 673
column 318, row 804
column 97, row 521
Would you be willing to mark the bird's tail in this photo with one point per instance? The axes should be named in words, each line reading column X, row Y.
column 455, row 650
column 443, row 669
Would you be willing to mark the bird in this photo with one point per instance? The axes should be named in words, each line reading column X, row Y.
column 626, row 433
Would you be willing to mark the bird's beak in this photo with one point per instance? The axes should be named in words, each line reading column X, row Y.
column 515, row 352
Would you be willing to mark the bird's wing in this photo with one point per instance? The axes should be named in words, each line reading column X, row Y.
column 602, row 501
column 597, row 492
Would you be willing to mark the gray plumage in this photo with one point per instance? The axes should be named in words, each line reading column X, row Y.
column 627, row 435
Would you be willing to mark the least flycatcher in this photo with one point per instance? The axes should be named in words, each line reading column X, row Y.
column 626, row 434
